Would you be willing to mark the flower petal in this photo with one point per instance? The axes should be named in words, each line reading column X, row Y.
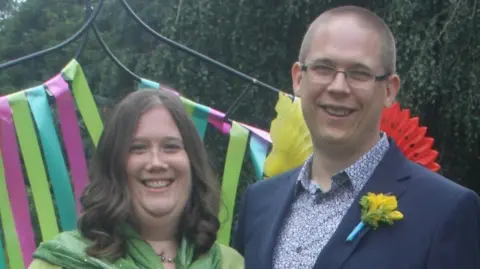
column 395, row 215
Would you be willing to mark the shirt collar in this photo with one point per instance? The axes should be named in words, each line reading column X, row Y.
column 358, row 173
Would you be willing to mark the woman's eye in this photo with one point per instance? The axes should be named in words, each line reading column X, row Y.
column 172, row 147
column 137, row 148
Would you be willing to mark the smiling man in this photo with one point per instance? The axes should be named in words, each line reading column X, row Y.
column 345, row 76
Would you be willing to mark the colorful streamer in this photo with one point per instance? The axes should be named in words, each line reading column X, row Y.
column 34, row 166
column 189, row 105
column 8, row 228
column 84, row 99
column 200, row 117
column 3, row 263
column 148, row 84
column 18, row 228
column 71, row 135
column 231, row 175
column 258, row 153
column 57, row 170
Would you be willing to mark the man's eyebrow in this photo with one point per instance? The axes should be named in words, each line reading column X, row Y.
column 358, row 65
column 327, row 61
column 322, row 61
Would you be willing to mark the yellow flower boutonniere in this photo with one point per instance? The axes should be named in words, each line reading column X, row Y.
column 376, row 209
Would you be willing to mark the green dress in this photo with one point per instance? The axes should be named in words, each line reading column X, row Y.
column 67, row 250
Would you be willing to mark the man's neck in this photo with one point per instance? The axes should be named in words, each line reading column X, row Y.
column 329, row 160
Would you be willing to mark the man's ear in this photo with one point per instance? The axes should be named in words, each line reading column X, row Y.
column 296, row 73
column 393, row 86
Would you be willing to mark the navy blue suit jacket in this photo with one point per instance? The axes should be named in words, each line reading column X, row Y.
column 440, row 229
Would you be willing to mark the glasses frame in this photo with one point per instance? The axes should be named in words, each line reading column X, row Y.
column 304, row 67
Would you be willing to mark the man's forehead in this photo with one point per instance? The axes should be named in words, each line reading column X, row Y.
column 345, row 41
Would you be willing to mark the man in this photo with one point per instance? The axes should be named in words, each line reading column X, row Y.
column 345, row 76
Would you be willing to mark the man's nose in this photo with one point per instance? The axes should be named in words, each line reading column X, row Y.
column 339, row 83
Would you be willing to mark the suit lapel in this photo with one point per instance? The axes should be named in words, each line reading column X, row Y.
column 387, row 178
column 281, row 200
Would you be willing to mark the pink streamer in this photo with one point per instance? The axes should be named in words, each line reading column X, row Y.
column 15, row 182
column 71, row 135
column 216, row 119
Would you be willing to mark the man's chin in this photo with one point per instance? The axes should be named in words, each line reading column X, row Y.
column 335, row 138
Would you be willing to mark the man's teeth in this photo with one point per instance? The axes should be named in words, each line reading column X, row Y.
column 157, row 183
column 340, row 112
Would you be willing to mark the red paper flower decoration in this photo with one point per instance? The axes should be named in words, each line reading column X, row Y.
column 409, row 136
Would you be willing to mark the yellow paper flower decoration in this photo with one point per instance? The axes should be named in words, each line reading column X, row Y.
column 291, row 142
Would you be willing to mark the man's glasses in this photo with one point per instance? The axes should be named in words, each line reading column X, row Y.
column 324, row 74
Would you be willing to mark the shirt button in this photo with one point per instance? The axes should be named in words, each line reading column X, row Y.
column 299, row 249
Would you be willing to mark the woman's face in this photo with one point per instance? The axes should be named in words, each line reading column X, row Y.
column 158, row 168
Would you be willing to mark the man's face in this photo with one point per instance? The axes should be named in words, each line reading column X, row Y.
column 341, row 110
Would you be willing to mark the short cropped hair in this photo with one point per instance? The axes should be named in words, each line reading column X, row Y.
column 389, row 52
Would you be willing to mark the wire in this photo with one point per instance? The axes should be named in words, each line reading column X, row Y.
column 196, row 54
column 74, row 37
column 112, row 56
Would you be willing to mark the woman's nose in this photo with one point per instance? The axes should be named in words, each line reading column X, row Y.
column 156, row 161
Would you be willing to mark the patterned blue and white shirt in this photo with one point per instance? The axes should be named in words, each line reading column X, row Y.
column 315, row 215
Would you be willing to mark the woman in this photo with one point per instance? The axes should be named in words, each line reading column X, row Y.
column 153, row 199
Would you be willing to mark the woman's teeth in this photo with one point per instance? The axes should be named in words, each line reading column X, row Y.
column 156, row 184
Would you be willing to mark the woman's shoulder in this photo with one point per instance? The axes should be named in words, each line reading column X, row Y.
column 64, row 242
column 40, row 264
column 68, row 239
column 231, row 259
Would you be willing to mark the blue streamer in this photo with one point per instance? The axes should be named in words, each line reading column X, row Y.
column 148, row 84
column 200, row 118
column 55, row 161
column 258, row 152
column 3, row 263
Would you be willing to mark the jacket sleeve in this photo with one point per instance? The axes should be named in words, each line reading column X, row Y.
column 457, row 240
column 238, row 237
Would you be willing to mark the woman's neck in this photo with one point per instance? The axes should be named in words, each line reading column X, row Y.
column 162, row 235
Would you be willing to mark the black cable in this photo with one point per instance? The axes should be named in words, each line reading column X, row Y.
column 88, row 10
column 112, row 56
column 74, row 37
column 196, row 54
column 237, row 102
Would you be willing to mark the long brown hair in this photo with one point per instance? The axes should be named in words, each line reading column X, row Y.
column 106, row 200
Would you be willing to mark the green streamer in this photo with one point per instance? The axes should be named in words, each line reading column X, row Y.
column 231, row 175
column 84, row 99
column 34, row 165
column 189, row 105
column 12, row 244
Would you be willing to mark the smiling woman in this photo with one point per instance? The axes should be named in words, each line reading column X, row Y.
column 153, row 199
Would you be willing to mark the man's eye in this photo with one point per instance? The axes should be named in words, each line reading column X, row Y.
column 323, row 69
column 360, row 75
